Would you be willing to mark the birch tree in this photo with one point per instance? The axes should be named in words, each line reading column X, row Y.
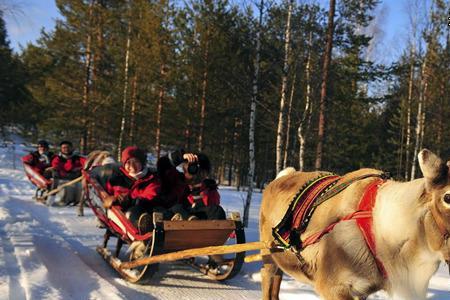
column 282, row 116
column 305, row 122
column 125, row 87
column 87, row 82
column 251, row 132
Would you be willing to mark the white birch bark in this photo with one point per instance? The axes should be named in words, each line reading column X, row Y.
column 281, row 130
column 420, row 117
column 306, row 117
column 408, row 111
column 251, row 132
column 288, row 126
column 125, row 89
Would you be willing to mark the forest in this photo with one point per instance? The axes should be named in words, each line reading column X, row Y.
column 256, row 85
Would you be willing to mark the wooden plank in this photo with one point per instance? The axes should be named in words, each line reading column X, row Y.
column 196, row 252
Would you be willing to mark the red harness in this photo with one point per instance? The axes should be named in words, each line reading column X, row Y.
column 363, row 217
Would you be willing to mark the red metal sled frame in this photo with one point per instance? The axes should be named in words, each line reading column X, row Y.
column 36, row 178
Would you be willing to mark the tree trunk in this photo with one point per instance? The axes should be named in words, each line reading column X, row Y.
column 323, row 89
column 288, row 125
column 204, row 88
column 187, row 134
column 305, row 122
column 281, row 130
column 133, row 108
column 159, row 113
column 440, row 121
column 251, row 133
column 420, row 115
column 87, row 83
column 408, row 111
column 125, row 89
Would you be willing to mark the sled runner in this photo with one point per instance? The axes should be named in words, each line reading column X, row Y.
column 214, row 247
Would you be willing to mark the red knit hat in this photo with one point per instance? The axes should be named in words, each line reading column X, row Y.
column 133, row 152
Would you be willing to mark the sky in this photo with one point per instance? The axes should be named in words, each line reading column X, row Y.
column 30, row 16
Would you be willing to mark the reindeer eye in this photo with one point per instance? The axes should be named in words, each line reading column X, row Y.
column 447, row 198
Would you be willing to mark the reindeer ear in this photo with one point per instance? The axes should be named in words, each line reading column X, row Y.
column 433, row 168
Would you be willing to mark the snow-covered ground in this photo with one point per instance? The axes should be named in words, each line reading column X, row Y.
column 49, row 253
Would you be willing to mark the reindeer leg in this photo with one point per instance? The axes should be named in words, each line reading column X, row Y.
column 276, row 283
column 270, row 281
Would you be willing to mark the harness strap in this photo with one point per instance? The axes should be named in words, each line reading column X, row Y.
column 366, row 226
column 314, row 238
column 363, row 218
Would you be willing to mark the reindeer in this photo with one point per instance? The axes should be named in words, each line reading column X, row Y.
column 411, row 225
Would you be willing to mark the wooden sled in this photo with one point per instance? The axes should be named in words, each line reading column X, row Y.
column 214, row 247
column 42, row 184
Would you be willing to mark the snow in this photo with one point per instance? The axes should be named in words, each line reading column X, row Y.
column 49, row 253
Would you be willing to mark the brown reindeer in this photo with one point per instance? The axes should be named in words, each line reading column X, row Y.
column 411, row 224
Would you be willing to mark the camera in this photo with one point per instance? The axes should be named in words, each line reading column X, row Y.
column 193, row 168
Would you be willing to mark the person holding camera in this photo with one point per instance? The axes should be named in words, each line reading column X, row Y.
column 192, row 194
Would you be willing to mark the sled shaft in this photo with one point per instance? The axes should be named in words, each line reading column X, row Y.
column 59, row 188
column 214, row 250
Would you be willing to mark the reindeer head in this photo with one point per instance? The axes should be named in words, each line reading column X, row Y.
column 437, row 183
column 96, row 158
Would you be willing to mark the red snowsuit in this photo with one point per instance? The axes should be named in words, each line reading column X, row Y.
column 68, row 168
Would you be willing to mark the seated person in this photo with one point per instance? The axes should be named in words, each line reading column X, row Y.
column 129, row 182
column 205, row 201
column 134, row 188
column 66, row 164
column 40, row 159
column 182, row 188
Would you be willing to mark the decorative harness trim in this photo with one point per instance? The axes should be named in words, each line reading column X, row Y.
column 298, row 215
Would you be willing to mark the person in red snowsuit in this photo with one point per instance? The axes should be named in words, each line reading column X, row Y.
column 132, row 182
column 67, row 165
column 40, row 159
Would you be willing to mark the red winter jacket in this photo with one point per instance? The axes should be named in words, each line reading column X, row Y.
column 147, row 188
column 38, row 162
column 118, row 183
column 208, row 194
column 128, row 188
column 68, row 168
